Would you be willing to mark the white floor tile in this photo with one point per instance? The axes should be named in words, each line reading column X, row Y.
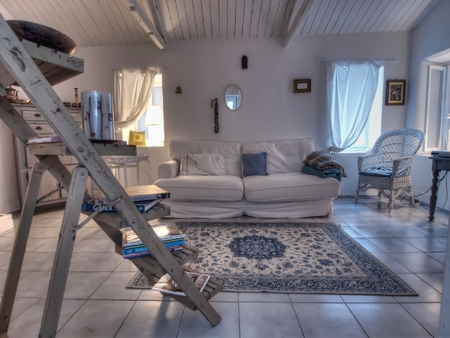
column 152, row 319
column 427, row 315
column 81, row 285
column 28, row 323
column 427, row 294
column 34, row 285
column 194, row 325
column 418, row 262
column 435, row 280
column 101, row 261
column 114, row 287
column 97, row 319
column 335, row 320
column 97, row 304
column 387, row 320
column 275, row 320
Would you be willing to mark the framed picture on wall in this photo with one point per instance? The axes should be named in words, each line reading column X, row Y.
column 395, row 92
column 302, row 86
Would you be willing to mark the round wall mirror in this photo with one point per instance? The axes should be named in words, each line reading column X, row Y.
column 233, row 97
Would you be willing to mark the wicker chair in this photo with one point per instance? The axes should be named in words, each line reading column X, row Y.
column 387, row 167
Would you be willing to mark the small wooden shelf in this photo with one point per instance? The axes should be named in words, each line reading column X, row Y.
column 60, row 149
column 115, row 220
column 150, row 264
column 212, row 288
column 55, row 66
column 150, row 267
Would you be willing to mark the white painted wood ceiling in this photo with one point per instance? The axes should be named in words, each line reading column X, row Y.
column 107, row 22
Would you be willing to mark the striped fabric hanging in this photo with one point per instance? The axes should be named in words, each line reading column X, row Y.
column 216, row 116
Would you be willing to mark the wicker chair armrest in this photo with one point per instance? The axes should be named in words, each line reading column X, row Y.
column 402, row 166
column 367, row 161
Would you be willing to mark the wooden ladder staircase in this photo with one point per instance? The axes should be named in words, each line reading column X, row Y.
column 25, row 64
column 111, row 224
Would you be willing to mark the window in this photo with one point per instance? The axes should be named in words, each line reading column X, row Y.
column 354, row 104
column 152, row 122
column 437, row 113
column 372, row 130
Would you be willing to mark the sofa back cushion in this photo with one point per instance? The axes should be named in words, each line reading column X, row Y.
column 202, row 164
column 285, row 156
column 230, row 150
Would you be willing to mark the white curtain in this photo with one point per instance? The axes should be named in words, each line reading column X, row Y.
column 132, row 93
column 351, row 91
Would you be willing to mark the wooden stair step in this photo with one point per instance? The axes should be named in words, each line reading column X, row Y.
column 149, row 263
column 212, row 288
column 115, row 220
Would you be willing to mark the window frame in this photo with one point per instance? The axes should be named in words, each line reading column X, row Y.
column 140, row 125
column 440, row 138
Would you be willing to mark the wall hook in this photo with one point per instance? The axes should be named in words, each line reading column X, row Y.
column 178, row 90
column 244, row 62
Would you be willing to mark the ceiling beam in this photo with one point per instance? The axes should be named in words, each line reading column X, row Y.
column 145, row 22
column 299, row 19
column 290, row 6
column 152, row 7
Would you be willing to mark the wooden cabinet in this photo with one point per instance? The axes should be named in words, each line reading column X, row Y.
column 25, row 161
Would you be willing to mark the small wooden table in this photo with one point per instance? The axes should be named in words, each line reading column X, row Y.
column 439, row 163
column 103, row 149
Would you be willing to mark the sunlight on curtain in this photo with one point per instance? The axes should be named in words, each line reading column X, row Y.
column 132, row 92
column 351, row 91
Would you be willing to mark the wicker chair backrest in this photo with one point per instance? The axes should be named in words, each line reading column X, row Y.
column 398, row 143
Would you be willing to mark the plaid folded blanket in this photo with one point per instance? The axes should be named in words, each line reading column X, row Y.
column 333, row 172
column 322, row 160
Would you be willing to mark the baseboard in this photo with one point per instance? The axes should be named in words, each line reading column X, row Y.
column 375, row 197
column 360, row 197
column 427, row 205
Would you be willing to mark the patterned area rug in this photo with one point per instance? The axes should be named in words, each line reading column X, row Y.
column 286, row 257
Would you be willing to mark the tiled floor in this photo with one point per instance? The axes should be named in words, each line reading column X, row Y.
column 97, row 304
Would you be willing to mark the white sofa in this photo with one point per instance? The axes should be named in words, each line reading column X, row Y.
column 284, row 193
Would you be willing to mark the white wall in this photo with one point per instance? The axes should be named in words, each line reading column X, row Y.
column 431, row 36
column 270, row 110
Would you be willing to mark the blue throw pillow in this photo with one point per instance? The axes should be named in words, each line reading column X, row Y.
column 254, row 164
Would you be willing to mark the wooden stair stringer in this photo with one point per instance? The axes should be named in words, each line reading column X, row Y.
column 21, row 66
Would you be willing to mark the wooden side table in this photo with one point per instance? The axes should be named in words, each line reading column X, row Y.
column 439, row 164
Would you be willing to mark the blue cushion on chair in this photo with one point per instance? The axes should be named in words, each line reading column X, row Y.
column 254, row 164
column 378, row 170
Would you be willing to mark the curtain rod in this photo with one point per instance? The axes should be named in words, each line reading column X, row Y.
column 377, row 60
column 140, row 67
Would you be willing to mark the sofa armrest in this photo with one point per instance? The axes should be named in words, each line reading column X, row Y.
column 169, row 169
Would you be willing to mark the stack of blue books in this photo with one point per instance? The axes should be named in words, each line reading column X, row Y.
column 143, row 206
column 145, row 197
column 132, row 246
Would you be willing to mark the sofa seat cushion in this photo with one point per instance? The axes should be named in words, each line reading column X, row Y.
column 203, row 188
column 289, row 187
